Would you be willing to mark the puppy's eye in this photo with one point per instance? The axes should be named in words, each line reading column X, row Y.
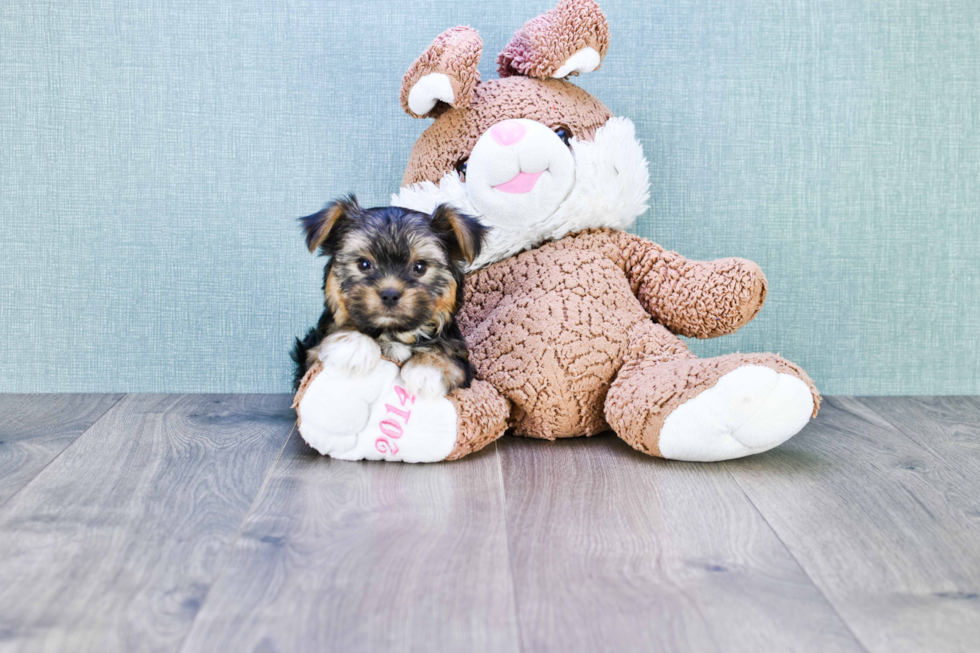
column 363, row 264
column 564, row 134
column 461, row 167
column 419, row 267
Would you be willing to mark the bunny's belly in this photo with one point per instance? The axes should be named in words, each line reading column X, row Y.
column 548, row 328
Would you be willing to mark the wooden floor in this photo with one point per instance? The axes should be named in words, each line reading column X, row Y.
column 203, row 523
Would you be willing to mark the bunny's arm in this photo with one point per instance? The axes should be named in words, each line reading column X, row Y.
column 697, row 299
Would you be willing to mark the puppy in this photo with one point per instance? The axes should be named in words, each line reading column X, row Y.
column 392, row 287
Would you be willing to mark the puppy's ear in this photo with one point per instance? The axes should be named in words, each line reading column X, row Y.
column 462, row 234
column 323, row 228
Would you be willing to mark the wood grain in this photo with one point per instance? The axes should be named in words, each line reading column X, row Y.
column 114, row 545
column 137, row 534
column 948, row 427
column 888, row 529
column 341, row 556
column 616, row 551
column 34, row 429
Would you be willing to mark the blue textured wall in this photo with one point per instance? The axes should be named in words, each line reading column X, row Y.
column 154, row 155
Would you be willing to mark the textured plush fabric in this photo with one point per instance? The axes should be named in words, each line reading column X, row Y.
column 564, row 346
column 696, row 299
column 154, row 157
column 647, row 389
column 611, row 180
column 551, row 329
column 481, row 416
column 454, row 133
column 481, row 412
column 546, row 42
column 454, row 53
column 311, row 373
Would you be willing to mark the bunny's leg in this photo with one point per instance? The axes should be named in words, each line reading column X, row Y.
column 374, row 417
column 668, row 403
column 481, row 417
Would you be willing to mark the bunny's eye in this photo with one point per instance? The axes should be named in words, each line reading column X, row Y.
column 564, row 134
column 461, row 167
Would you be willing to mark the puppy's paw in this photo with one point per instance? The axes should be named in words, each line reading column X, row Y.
column 425, row 381
column 352, row 352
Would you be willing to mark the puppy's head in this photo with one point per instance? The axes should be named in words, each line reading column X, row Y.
column 393, row 270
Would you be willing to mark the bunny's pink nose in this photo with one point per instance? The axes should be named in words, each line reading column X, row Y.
column 507, row 132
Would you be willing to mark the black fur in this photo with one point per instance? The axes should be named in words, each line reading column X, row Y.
column 389, row 234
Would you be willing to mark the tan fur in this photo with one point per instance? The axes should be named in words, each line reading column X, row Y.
column 334, row 212
column 413, row 299
column 393, row 283
column 445, row 305
column 463, row 235
column 335, row 300
column 368, row 297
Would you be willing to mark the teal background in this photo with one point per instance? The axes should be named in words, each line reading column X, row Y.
column 154, row 156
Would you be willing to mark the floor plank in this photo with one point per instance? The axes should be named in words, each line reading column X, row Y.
column 34, row 429
column 885, row 527
column 948, row 427
column 341, row 556
column 136, row 529
column 113, row 546
column 616, row 551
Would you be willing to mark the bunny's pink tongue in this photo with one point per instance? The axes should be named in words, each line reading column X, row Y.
column 522, row 183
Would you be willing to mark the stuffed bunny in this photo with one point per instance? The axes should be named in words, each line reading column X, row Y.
column 572, row 323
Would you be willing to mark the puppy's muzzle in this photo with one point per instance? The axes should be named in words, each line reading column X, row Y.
column 389, row 297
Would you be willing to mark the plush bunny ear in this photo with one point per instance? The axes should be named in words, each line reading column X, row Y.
column 446, row 72
column 570, row 39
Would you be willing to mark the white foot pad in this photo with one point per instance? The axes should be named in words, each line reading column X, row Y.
column 749, row 410
column 373, row 417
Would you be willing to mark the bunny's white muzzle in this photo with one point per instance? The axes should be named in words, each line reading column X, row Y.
column 518, row 171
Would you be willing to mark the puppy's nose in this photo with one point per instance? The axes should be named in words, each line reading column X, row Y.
column 507, row 132
column 389, row 297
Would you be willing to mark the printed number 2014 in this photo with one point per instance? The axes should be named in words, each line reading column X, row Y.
column 391, row 428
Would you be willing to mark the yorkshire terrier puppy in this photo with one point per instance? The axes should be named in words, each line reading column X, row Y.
column 392, row 287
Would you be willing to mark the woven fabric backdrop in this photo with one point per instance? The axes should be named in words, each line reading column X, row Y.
column 155, row 154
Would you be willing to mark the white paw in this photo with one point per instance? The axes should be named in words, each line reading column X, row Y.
column 426, row 382
column 749, row 410
column 352, row 352
column 337, row 406
column 406, row 428
column 375, row 417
